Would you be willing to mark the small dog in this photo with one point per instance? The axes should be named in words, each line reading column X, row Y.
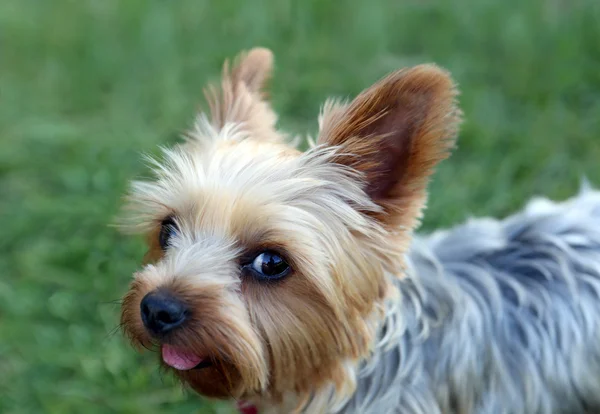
column 292, row 281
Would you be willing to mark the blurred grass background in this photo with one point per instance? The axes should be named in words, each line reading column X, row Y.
column 86, row 85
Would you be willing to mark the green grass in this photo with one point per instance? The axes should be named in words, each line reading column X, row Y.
column 86, row 85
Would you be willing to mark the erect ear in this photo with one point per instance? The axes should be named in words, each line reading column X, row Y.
column 394, row 133
column 240, row 99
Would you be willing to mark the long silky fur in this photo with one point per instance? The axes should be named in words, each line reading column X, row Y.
column 494, row 316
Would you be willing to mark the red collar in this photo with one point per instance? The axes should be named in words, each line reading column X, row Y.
column 244, row 407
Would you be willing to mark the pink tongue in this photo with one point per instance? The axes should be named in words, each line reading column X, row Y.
column 246, row 408
column 179, row 359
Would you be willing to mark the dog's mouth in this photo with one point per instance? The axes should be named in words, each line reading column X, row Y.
column 183, row 360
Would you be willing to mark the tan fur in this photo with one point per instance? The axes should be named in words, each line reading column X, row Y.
column 340, row 213
column 240, row 99
column 395, row 132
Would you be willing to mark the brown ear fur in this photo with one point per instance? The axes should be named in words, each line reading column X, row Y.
column 395, row 132
column 240, row 99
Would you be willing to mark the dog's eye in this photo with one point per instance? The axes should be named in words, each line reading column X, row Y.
column 269, row 265
column 168, row 230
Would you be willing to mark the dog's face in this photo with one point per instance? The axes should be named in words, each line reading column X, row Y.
column 267, row 267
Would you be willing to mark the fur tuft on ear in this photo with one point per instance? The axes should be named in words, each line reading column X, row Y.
column 241, row 99
column 394, row 133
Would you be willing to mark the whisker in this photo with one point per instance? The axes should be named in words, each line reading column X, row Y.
column 112, row 302
column 113, row 332
column 143, row 344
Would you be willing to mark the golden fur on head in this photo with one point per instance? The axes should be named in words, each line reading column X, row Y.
column 341, row 214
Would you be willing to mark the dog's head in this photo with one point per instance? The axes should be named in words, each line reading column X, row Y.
column 267, row 266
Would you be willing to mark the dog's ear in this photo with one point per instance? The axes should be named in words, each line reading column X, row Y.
column 241, row 98
column 394, row 133
column 253, row 69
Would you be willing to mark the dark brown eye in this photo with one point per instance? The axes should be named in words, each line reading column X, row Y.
column 168, row 230
column 269, row 265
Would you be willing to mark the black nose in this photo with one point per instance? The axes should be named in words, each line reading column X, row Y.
column 162, row 312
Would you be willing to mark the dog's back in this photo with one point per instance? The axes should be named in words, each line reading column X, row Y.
column 497, row 317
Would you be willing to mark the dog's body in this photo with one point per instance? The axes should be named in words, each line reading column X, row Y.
column 293, row 280
column 495, row 317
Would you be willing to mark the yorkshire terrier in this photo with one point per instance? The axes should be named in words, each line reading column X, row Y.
column 292, row 281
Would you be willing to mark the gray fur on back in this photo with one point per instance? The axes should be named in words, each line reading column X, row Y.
column 496, row 316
